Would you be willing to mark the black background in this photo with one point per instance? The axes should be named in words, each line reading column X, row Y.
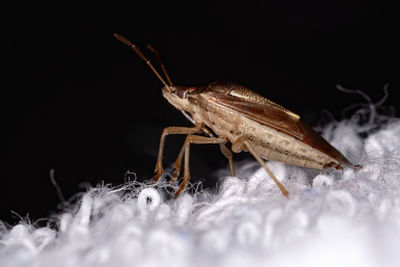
column 79, row 101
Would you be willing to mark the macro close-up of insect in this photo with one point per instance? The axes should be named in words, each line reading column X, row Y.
column 108, row 162
column 225, row 111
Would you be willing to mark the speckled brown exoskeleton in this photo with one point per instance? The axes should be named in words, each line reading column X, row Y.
column 225, row 111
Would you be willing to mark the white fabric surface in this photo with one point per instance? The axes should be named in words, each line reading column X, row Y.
column 333, row 218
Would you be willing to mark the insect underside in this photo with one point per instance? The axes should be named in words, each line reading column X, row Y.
column 224, row 111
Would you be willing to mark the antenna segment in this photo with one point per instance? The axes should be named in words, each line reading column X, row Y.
column 142, row 56
column 160, row 62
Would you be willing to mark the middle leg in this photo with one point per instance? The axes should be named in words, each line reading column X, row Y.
column 224, row 149
column 228, row 154
column 194, row 139
column 178, row 162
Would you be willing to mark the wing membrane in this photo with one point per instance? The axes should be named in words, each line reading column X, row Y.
column 264, row 114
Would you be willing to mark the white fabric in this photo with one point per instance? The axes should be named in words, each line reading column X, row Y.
column 333, row 218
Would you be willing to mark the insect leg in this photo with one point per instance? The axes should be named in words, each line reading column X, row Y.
column 194, row 139
column 178, row 162
column 228, row 154
column 224, row 149
column 167, row 131
column 238, row 145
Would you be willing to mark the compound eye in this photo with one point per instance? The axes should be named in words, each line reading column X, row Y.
column 182, row 93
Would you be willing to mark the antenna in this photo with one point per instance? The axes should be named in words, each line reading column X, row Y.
column 160, row 62
column 140, row 54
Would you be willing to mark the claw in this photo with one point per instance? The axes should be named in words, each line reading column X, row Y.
column 178, row 192
column 357, row 167
column 182, row 187
column 158, row 174
column 175, row 176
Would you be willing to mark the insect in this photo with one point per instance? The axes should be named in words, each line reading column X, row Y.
column 225, row 111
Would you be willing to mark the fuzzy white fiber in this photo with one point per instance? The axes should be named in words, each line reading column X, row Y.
column 332, row 218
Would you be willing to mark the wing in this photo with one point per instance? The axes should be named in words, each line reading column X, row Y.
column 267, row 113
column 259, row 109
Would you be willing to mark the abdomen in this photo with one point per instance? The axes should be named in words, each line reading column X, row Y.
column 275, row 145
column 311, row 152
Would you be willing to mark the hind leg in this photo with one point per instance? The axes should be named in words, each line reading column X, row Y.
column 242, row 143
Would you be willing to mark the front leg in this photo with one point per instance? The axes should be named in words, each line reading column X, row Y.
column 167, row 131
